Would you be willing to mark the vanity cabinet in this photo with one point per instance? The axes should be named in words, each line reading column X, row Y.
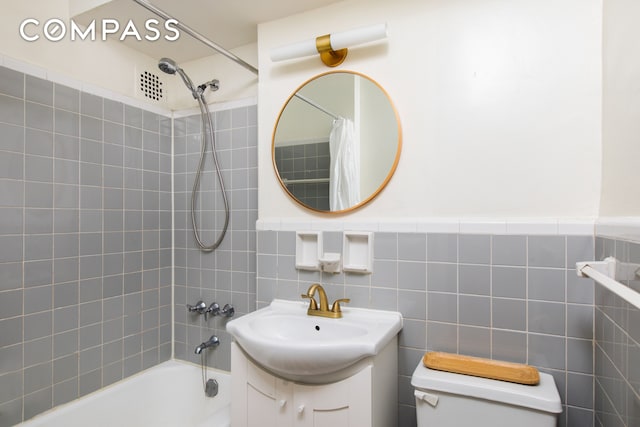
column 368, row 397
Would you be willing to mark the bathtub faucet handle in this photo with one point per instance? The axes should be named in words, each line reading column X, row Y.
column 228, row 310
column 199, row 308
column 214, row 310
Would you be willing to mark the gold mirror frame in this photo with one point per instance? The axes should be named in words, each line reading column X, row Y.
column 391, row 171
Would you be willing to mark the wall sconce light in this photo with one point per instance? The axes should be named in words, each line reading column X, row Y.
column 331, row 47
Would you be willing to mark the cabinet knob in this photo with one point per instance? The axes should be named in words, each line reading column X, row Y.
column 281, row 403
column 300, row 409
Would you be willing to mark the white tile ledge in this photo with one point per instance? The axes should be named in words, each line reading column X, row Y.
column 624, row 228
column 507, row 226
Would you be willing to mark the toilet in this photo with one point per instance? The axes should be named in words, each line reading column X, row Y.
column 445, row 399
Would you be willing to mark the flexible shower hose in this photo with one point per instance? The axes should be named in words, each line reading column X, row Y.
column 207, row 124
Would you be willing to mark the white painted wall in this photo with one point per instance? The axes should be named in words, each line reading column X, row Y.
column 107, row 64
column 621, row 109
column 500, row 103
column 111, row 65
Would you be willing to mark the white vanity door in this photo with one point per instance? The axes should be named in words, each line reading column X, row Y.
column 346, row 403
column 269, row 399
column 259, row 399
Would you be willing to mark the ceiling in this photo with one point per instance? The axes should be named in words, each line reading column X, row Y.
column 228, row 23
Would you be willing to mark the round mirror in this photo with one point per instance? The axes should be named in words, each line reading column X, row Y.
column 337, row 142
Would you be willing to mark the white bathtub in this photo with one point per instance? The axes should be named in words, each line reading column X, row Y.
column 170, row 394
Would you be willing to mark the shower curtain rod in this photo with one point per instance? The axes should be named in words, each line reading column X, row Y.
column 151, row 8
column 319, row 107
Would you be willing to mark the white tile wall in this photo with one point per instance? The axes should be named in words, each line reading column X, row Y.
column 507, row 226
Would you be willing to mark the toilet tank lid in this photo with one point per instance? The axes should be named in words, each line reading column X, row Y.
column 542, row 397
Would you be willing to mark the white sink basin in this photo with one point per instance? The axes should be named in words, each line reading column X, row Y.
column 285, row 340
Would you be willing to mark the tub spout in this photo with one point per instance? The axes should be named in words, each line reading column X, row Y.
column 212, row 342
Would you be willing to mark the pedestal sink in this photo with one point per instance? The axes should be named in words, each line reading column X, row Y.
column 286, row 341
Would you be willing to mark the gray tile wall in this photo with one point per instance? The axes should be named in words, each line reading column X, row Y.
column 306, row 161
column 85, row 243
column 227, row 275
column 617, row 345
column 514, row 298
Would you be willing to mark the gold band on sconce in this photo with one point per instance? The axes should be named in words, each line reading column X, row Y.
column 324, row 45
column 330, row 57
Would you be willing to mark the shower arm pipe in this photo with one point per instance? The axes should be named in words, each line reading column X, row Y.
column 151, row 8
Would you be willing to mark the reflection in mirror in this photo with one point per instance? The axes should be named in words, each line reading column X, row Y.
column 337, row 142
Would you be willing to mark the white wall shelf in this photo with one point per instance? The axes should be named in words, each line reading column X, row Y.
column 357, row 250
column 308, row 250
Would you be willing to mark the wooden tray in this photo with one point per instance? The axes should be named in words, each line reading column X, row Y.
column 479, row 367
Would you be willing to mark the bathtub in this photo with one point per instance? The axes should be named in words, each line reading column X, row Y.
column 169, row 394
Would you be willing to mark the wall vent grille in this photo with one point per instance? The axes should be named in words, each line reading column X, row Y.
column 151, row 86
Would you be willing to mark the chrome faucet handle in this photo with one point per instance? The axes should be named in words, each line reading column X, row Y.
column 214, row 309
column 228, row 311
column 313, row 305
column 335, row 308
column 199, row 308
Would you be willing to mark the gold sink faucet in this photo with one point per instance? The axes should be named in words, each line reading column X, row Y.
column 324, row 311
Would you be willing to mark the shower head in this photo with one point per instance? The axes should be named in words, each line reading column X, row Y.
column 169, row 66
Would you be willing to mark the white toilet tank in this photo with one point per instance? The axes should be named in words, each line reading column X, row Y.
column 445, row 399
